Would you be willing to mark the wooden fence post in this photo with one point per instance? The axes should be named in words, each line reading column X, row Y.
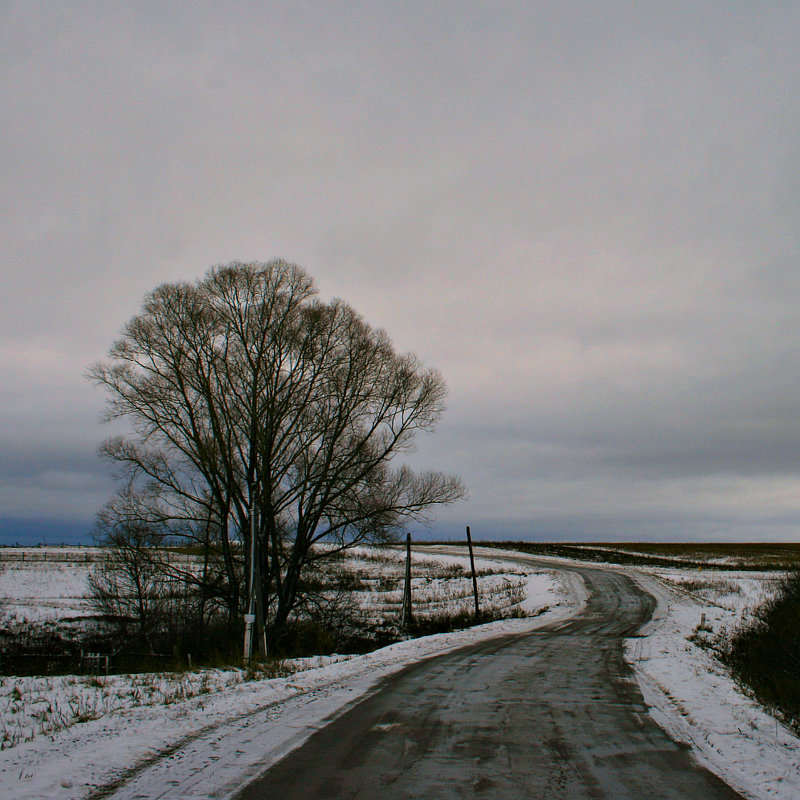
column 407, row 617
column 474, row 577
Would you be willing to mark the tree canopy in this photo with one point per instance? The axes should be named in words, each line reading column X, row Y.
column 246, row 394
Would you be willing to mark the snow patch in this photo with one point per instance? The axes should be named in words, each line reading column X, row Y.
column 223, row 731
column 693, row 697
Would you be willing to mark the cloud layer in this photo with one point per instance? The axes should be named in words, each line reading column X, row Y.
column 585, row 214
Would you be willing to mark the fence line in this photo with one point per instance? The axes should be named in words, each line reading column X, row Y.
column 74, row 555
column 35, row 555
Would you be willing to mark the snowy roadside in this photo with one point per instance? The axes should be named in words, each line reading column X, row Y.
column 209, row 745
column 693, row 697
column 690, row 694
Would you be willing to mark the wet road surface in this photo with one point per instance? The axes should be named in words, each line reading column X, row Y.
column 555, row 713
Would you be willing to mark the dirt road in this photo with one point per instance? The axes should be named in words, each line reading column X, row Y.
column 554, row 713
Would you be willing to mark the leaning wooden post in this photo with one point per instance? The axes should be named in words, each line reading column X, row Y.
column 407, row 617
column 474, row 577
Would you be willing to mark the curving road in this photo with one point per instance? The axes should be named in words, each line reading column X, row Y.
column 555, row 713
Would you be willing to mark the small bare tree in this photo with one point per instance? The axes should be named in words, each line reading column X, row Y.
column 128, row 587
column 154, row 594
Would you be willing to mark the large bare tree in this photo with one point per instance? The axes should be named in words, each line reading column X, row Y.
column 246, row 394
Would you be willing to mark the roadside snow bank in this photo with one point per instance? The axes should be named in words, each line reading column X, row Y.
column 219, row 739
column 691, row 694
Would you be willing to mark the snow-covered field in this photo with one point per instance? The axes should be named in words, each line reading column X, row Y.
column 67, row 737
column 45, row 583
column 48, row 584
column 441, row 585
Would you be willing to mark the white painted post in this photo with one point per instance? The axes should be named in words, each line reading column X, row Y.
column 249, row 619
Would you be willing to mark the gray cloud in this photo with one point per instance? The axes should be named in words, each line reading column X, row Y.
column 585, row 214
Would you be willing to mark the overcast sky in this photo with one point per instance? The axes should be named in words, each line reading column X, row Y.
column 586, row 215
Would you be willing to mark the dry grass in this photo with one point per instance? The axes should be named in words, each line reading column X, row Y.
column 35, row 706
column 764, row 652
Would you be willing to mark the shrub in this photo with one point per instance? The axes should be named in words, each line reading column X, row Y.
column 764, row 654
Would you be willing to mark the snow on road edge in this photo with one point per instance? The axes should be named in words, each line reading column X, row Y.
column 216, row 743
column 693, row 697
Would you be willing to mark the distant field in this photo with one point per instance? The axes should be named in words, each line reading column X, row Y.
column 50, row 583
column 47, row 618
column 733, row 556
